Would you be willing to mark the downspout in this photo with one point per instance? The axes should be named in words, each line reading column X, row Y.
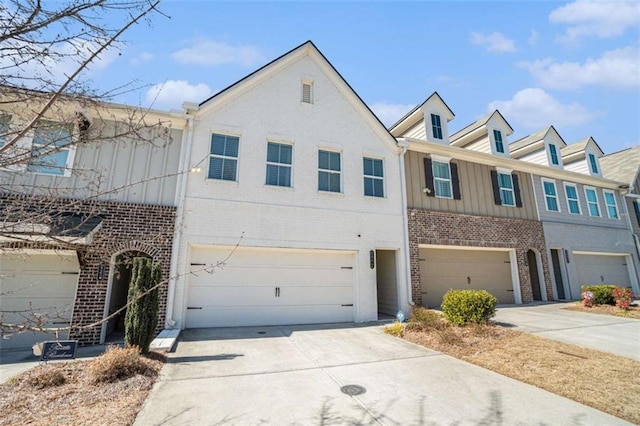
column 170, row 323
column 404, row 144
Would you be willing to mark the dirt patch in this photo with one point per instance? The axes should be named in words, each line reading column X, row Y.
column 606, row 382
column 634, row 312
column 67, row 393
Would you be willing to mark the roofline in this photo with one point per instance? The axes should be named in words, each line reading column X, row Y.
column 417, row 107
column 465, row 154
column 306, row 43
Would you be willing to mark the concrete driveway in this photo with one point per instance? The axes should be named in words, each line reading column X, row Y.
column 616, row 335
column 293, row 376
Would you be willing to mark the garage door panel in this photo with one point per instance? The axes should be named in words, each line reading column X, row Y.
column 273, row 276
column 276, row 316
column 43, row 283
column 313, row 287
column 599, row 269
column 443, row 269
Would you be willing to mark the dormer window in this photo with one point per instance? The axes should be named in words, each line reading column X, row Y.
column 497, row 137
column 436, row 126
column 593, row 164
column 553, row 152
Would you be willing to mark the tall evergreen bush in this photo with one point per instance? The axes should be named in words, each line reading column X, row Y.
column 142, row 313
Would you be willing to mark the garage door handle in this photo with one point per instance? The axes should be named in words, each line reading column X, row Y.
column 69, row 273
column 348, row 304
column 194, row 307
column 510, row 291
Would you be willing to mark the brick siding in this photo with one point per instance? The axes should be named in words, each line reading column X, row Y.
column 453, row 229
column 126, row 227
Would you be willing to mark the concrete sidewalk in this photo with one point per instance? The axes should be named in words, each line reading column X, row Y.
column 616, row 335
column 293, row 376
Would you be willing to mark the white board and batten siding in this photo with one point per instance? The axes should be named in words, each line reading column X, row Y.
column 269, row 287
column 122, row 170
column 37, row 282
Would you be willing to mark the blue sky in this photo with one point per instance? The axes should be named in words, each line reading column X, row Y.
column 573, row 65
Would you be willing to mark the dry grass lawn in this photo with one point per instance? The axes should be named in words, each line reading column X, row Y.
column 78, row 393
column 634, row 312
column 606, row 382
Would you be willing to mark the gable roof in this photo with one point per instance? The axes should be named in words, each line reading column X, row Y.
column 309, row 48
column 622, row 165
column 578, row 147
column 533, row 138
column 478, row 124
column 415, row 115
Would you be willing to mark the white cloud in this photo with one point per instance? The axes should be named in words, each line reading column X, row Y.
column 618, row 68
column 533, row 37
column 494, row 42
column 172, row 93
column 535, row 109
column 598, row 19
column 141, row 58
column 210, row 52
column 388, row 113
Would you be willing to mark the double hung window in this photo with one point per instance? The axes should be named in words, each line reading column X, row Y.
column 279, row 158
column 329, row 171
column 373, row 177
column 223, row 157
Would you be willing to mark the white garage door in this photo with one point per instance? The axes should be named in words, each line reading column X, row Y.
column 40, row 282
column 443, row 269
column 599, row 269
column 269, row 287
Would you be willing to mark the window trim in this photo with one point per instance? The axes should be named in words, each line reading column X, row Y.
column 210, row 154
column 437, row 126
column 271, row 163
column 307, row 82
column 607, row 205
column 577, row 199
column 597, row 202
column 553, row 153
column 5, row 120
column 447, row 161
column 512, row 189
column 339, row 172
column 555, row 196
column 71, row 150
column 495, row 141
column 380, row 178
column 593, row 163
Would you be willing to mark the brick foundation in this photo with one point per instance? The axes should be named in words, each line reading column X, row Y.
column 452, row 229
column 126, row 227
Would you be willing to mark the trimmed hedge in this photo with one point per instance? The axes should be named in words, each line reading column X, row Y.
column 462, row 307
column 602, row 293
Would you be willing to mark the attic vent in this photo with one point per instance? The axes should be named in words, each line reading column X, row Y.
column 306, row 92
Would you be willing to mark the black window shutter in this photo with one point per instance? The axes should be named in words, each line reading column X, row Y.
column 496, row 188
column 636, row 206
column 516, row 190
column 428, row 173
column 455, row 181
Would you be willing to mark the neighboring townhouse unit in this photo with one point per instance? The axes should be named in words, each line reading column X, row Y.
column 583, row 215
column 471, row 210
column 295, row 188
column 624, row 166
column 80, row 194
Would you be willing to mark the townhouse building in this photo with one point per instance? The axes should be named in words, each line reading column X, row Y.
column 293, row 212
column 81, row 193
column 584, row 216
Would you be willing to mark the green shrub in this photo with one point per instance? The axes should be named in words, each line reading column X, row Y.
column 602, row 293
column 142, row 313
column 395, row 329
column 423, row 318
column 461, row 307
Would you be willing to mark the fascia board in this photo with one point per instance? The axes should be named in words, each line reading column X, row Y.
column 509, row 163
